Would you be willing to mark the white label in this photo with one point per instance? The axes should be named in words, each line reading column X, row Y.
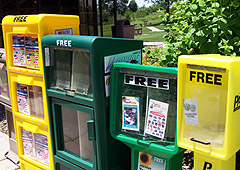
column 47, row 57
column 107, row 85
column 190, row 111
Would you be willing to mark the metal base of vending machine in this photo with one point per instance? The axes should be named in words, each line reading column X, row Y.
column 12, row 154
column 206, row 162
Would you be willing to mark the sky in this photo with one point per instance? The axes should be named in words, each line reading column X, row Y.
column 141, row 3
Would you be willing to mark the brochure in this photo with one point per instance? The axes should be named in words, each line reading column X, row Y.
column 23, row 98
column 28, row 144
column 42, row 153
column 130, row 113
column 19, row 58
column 32, row 51
column 157, row 118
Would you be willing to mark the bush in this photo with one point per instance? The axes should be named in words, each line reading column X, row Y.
column 152, row 55
column 203, row 27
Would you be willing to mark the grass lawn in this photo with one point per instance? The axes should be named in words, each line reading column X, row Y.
column 147, row 34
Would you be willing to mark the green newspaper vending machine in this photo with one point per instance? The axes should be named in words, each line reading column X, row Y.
column 143, row 111
column 77, row 71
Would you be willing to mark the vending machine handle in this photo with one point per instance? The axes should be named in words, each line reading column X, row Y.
column 205, row 143
column 91, row 130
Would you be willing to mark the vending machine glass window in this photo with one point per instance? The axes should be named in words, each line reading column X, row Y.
column 208, row 124
column 71, row 71
column 73, row 129
column 148, row 105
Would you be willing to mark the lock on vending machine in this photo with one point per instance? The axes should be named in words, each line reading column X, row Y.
column 143, row 114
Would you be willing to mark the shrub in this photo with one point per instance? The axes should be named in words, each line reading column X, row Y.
column 203, row 27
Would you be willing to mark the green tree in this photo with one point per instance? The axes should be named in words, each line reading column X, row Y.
column 203, row 27
column 133, row 6
column 122, row 6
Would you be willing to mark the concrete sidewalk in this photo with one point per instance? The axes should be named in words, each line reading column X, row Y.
column 5, row 164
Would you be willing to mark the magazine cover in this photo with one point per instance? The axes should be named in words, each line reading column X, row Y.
column 130, row 113
column 149, row 162
column 23, row 99
column 32, row 51
column 42, row 153
column 157, row 118
column 28, row 146
column 19, row 58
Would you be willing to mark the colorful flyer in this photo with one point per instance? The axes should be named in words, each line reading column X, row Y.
column 157, row 118
column 32, row 51
column 149, row 162
column 42, row 153
column 190, row 111
column 130, row 113
column 23, row 99
column 19, row 58
column 28, row 144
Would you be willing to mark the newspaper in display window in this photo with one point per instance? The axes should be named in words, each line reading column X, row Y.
column 42, row 153
column 32, row 51
column 19, row 58
column 23, row 98
column 157, row 118
column 130, row 113
column 28, row 143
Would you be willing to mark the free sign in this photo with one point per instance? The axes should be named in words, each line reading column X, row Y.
column 146, row 81
column 64, row 43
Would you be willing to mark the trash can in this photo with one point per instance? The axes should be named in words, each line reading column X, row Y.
column 123, row 29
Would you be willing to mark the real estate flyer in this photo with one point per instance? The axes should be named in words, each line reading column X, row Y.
column 23, row 98
column 42, row 153
column 28, row 144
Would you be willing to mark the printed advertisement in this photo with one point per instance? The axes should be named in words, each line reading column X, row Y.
column 190, row 111
column 32, row 51
column 28, row 144
column 19, row 58
column 22, row 98
column 128, row 57
column 148, row 162
column 130, row 113
column 42, row 153
column 157, row 118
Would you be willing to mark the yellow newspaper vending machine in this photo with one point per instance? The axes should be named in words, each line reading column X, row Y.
column 22, row 40
column 209, row 109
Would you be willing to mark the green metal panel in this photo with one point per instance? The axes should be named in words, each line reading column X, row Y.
column 103, row 51
column 166, row 147
column 59, row 134
column 62, row 164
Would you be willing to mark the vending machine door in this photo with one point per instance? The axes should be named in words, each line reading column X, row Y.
column 74, row 133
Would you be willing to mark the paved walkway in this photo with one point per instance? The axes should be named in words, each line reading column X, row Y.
column 5, row 164
column 154, row 29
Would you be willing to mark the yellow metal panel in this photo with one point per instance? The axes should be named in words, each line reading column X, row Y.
column 30, row 71
column 203, row 162
column 21, row 124
column 208, row 104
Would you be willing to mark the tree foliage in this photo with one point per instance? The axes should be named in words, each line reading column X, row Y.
column 203, row 27
column 133, row 6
